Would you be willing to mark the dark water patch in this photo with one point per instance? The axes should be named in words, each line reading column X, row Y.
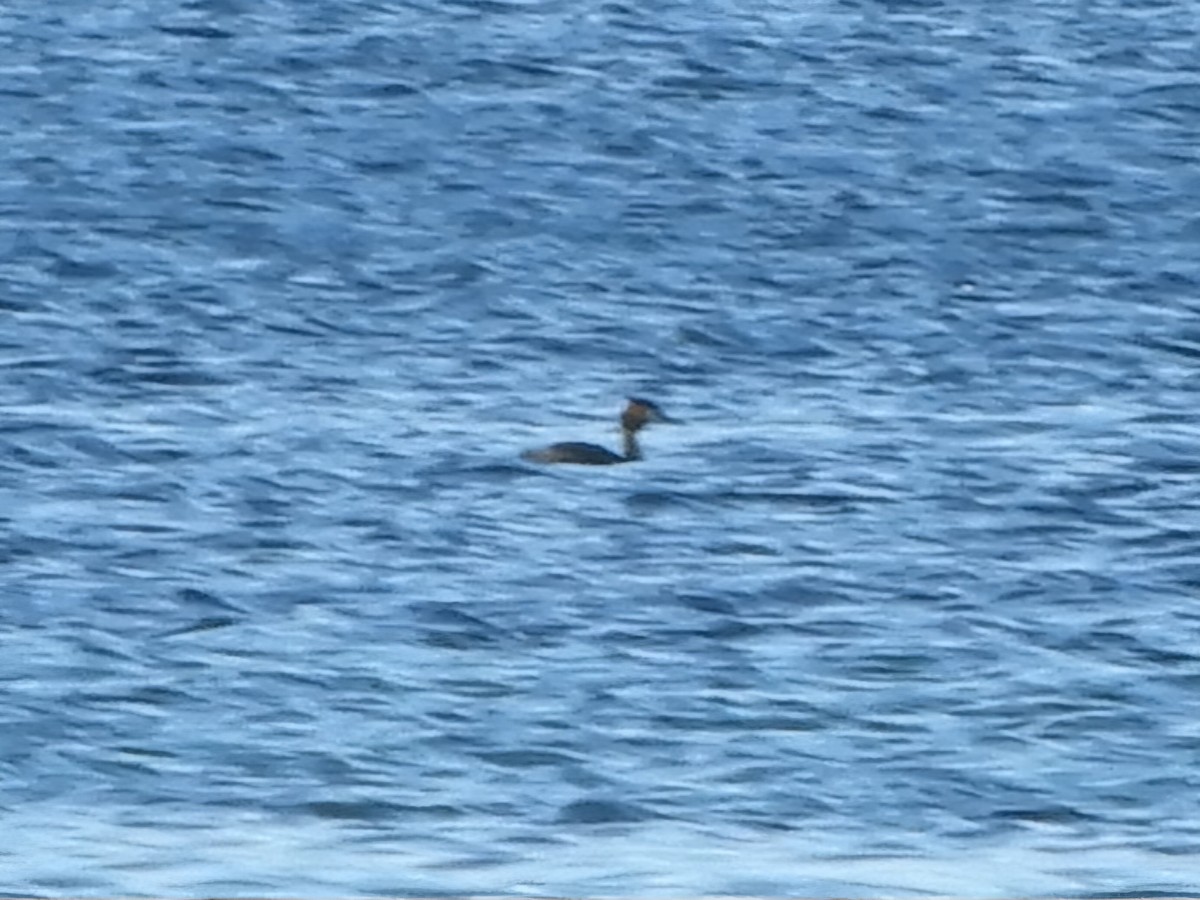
column 523, row 759
column 601, row 812
column 208, row 623
column 378, row 812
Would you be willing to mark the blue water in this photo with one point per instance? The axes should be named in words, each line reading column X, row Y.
column 910, row 602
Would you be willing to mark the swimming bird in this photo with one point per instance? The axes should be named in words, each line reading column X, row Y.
column 637, row 415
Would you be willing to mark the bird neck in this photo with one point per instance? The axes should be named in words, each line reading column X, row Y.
column 632, row 450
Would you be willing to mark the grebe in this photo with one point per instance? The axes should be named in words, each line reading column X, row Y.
column 637, row 415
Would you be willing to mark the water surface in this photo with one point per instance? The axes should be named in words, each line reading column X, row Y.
column 907, row 605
